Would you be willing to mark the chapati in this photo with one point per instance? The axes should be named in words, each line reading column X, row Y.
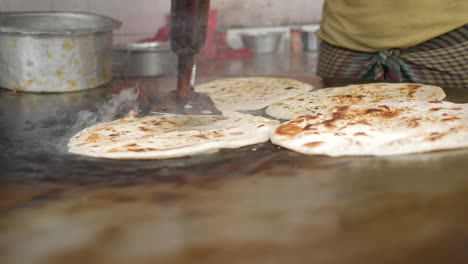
column 252, row 93
column 380, row 129
column 321, row 100
column 161, row 137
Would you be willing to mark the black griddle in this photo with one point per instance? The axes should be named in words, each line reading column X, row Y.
column 36, row 127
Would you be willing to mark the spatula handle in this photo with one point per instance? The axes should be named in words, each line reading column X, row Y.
column 189, row 22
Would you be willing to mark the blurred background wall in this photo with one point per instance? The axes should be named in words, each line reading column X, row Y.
column 143, row 17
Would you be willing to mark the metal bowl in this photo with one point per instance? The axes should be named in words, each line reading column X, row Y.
column 262, row 42
column 144, row 59
column 55, row 51
column 310, row 41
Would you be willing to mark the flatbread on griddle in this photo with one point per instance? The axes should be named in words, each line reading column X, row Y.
column 253, row 93
column 380, row 129
column 161, row 137
column 318, row 101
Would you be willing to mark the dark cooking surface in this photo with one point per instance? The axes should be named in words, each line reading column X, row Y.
column 258, row 204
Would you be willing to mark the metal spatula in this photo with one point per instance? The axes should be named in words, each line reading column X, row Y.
column 189, row 21
column 192, row 104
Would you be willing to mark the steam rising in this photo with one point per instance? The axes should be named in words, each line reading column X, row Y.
column 118, row 106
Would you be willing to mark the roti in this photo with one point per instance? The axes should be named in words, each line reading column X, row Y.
column 385, row 129
column 253, row 93
column 320, row 101
column 161, row 137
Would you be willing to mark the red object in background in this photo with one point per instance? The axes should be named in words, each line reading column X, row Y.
column 296, row 41
column 216, row 47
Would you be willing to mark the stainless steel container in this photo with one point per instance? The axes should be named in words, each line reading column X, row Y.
column 144, row 59
column 262, row 42
column 310, row 42
column 55, row 51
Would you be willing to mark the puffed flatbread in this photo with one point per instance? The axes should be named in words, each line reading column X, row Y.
column 253, row 93
column 318, row 101
column 162, row 137
column 380, row 129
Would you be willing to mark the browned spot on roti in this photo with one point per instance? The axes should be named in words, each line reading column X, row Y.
column 236, row 133
column 259, row 126
column 348, row 98
column 339, row 134
column 216, row 134
column 131, row 145
column 113, row 150
column 435, row 102
column 414, row 122
column 380, row 85
column 361, row 134
column 342, row 108
column 202, row 136
column 456, row 108
column 298, row 120
column 386, row 107
column 390, row 114
column 412, row 89
column 92, row 138
column 313, row 144
column 450, row 119
column 289, row 88
column 309, row 117
column 338, row 115
column 373, row 110
column 435, row 136
column 363, row 122
column 310, row 127
column 435, row 109
column 144, row 129
column 329, row 123
column 142, row 149
column 113, row 135
column 383, row 111
column 288, row 129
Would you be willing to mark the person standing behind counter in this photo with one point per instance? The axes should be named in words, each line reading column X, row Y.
column 424, row 41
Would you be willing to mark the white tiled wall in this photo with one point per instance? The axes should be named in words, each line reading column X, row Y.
column 143, row 17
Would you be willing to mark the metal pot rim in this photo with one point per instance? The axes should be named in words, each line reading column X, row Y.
column 263, row 34
column 144, row 46
column 90, row 23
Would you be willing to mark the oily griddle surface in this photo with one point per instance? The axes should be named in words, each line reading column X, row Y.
column 36, row 128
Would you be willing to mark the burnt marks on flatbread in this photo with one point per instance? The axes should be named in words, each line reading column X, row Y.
column 252, row 93
column 320, row 101
column 289, row 129
column 161, row 137
column 313, row 144
column 412, row 89
column 385, row 129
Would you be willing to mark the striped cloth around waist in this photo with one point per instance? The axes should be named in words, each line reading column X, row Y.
column 441, row 61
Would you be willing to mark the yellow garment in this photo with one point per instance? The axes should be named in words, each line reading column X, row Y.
column 375, row 25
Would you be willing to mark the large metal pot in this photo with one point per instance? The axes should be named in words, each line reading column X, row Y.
column 144, row 59
column 263, row 42
column 55, row 51
column 310, row 41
